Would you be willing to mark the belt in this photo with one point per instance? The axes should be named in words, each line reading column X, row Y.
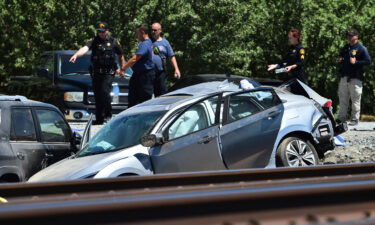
column 104, row 70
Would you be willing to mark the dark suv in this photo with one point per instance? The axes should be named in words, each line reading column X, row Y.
column 33, row 135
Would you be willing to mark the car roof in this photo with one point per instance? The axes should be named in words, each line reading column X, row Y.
column 18, row 100
column 175, row 98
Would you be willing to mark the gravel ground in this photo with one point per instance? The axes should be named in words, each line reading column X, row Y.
column 359, row 144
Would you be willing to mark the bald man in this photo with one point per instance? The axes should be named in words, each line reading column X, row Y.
column 162, row 52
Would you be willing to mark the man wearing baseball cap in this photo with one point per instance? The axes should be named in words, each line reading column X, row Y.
column 104, row 49
column 353, row 56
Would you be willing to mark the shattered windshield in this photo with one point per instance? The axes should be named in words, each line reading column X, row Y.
column 81, row 65
column 121, row 132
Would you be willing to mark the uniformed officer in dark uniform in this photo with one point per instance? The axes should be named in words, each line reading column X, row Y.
column 293, row 62
column 141, row 84
column 104, row 49
column 353, row 56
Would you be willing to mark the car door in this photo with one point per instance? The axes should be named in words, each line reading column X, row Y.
column 24, row 142
column 192, row 142
column 55, row 133
column 252, row 120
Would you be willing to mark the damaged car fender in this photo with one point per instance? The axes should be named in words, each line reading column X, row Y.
column 138, row 164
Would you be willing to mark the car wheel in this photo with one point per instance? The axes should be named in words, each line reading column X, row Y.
column 296, row 152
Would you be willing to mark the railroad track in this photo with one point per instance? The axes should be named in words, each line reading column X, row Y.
column 326, row 194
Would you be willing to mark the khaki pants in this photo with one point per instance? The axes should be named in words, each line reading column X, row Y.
column 350, row 90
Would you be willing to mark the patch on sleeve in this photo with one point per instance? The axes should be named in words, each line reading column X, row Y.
column 302, row 51
column 302, row 57
column 354, row 52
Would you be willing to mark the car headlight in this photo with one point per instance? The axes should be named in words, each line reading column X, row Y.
column 73, row 96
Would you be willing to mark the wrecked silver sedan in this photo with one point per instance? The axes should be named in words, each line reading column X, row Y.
column 208, row 126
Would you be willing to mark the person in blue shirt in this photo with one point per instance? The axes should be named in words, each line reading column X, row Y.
column 141, row 84
column 162, row 52
column 353, row 56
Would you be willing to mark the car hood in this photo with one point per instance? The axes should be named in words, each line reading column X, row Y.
column 73, row 168
column 83, row 81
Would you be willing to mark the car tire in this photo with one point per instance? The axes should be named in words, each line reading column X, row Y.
column 296, row 152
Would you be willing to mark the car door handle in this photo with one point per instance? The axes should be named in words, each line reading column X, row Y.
column 20, row 155
column 206, row 139
column 273, row 114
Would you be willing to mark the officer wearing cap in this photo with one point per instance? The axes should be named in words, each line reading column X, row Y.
column 293, row 61
column 353, row 56
column 141, row 84
column 104, row 49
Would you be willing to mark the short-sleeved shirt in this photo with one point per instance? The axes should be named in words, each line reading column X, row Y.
column 145, row 62
column 295, row 55
column 97, row 40
column 97, row 43
column 166, row 52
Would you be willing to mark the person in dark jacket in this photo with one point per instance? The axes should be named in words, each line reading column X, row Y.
column 104, row 49
column 353, row 56
column 293, row 62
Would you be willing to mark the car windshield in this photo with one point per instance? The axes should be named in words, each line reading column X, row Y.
column 81, row 65
column 121, row 132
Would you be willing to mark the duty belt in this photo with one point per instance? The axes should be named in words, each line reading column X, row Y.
column 104, row 70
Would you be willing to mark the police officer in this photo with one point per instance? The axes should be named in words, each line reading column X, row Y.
column 104, row 66
column 293, row 61
column 141, row 84
column 162, row 52
column 353, row 56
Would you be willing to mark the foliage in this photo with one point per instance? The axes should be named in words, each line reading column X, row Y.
column 212, row 36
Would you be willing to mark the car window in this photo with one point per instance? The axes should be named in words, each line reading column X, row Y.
column 246, row 104
column 195, row 118
column 80, row 66
column 241, row 106
column 266, row 99
column 22, row 125
column 121, row 132
column 46, row 62
column 53, row 126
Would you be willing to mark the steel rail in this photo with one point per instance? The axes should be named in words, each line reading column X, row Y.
column 179, row 179
column 187, row 188
column 175, row 207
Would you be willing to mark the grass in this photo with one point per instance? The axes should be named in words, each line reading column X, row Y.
column 367, row 118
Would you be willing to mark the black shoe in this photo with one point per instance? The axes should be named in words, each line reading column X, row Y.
column 97, row 122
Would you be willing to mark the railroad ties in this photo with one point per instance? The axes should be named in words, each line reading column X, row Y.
column 334, row 194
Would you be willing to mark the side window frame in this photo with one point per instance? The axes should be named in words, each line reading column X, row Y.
column 174, row 118
column 39, row 128
column 50, row 66
column 13, row 135
column 276, row 101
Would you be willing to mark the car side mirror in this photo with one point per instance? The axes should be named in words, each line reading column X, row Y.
column 44, row 72
column 152, row 140
column 77, row 139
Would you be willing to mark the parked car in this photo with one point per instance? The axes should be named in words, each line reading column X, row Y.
column 69, row 85
column 208, row 126
column 33, row 135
